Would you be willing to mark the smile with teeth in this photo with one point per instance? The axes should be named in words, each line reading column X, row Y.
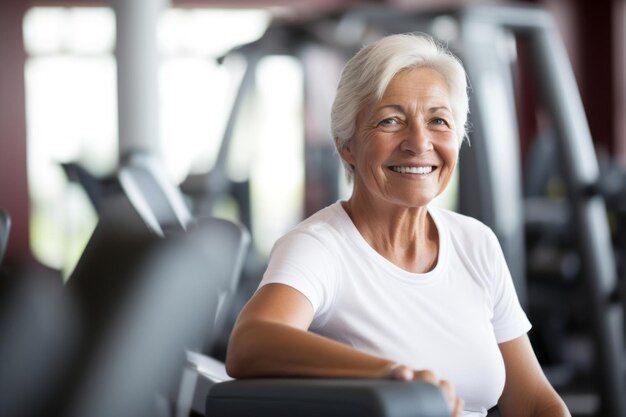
column 412, row 170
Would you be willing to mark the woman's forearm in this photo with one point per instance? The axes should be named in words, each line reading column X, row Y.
column 267, row 349
column 262, row 349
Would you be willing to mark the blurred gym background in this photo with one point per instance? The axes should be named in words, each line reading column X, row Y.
column 228, row 102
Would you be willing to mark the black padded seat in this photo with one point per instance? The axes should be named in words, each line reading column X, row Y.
column 312, row 397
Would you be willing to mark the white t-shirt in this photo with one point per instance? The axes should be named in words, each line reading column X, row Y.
column 449, row 320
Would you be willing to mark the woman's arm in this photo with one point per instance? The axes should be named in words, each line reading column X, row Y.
column 527, row 391
column 271, row 338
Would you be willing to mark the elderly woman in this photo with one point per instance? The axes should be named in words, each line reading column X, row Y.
column 385, row 285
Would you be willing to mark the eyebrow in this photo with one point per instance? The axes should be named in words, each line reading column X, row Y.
column 436, row 109
column 392, row 106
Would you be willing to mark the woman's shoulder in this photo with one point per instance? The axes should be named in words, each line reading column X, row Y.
column 312, row 240
column 470, row 239
column 461, row 225
column 324, row 224
column 457, row 219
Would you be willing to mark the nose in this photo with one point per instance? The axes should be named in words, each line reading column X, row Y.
column 417, row 140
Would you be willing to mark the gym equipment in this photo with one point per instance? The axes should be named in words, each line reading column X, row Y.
column 38, row 333
column 5, row 229
column 152, row 283
column 159, row 202
column 325, row 397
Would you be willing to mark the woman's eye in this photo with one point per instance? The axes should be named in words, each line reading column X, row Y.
column 388, row 122
column 440, row 122
column 391, row 123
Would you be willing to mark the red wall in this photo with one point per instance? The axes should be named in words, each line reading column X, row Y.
column 13, row 182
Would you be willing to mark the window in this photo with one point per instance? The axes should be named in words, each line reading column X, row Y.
column 71, row 100
column 71, row 114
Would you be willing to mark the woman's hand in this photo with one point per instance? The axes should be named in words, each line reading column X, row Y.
column 405, row 373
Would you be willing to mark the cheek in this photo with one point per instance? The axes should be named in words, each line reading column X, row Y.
column 450, row 153
column 370, row 150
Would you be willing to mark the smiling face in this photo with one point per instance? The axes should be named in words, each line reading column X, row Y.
column 405, row 149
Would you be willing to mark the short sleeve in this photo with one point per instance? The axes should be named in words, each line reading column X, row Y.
column 509, row 319
column 301, row 261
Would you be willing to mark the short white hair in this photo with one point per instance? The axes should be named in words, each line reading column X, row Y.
column 367, row 74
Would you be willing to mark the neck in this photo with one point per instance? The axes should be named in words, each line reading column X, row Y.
column 406, row 236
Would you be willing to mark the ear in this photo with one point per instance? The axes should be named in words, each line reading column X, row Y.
column 346, row 153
